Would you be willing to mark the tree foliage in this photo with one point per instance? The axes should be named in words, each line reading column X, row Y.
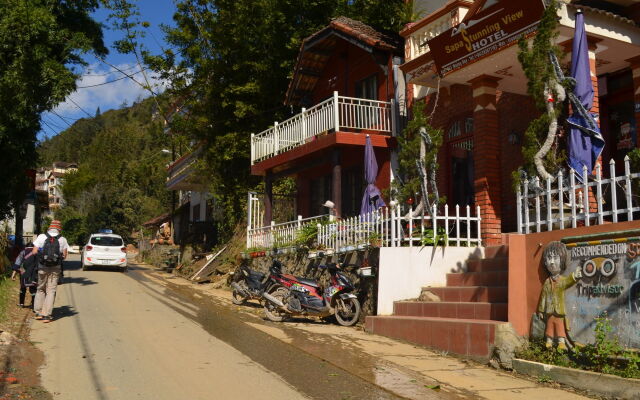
column 42, row 41
column 547, row 92
column 121, row 176
column 419, row 144
column 236, row 59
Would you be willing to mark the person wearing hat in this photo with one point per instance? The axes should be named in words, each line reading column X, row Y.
column 49, row 268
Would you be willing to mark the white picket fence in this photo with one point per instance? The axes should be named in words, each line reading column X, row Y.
column 546, row 205
column 279, row 235
column 395, row 227
column 335, row 113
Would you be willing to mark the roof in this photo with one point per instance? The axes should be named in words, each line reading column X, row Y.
column 58, row 174
column 316, row 50
column 156, row 221
column 606, row 13
column 64, row 164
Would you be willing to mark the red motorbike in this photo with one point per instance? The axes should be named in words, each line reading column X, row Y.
column 290, row 295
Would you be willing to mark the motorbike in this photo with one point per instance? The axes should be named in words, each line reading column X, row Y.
column 290, row 295
column 247, row 285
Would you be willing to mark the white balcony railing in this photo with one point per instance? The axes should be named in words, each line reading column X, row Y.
column 418, row 39
column 334, row 114
column 569, row 203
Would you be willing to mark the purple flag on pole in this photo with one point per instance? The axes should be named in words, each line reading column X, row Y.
column 585, row 141
column 372, row 199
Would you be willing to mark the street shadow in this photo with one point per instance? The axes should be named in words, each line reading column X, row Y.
column 63, row 312
column 78, row 280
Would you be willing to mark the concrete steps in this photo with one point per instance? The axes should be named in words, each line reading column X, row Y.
column 468, row 337
column 446, row 309
column 463, row 316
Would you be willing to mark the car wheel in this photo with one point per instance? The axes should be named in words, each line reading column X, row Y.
column 124, row 269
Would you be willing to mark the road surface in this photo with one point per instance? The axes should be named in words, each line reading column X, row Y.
column 122, row 336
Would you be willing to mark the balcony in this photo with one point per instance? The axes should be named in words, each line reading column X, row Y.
column 338, row 113
column 417, row 35
column 182, row 172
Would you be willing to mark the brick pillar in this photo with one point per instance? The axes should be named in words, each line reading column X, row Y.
column 486, row 158
column 635, row 70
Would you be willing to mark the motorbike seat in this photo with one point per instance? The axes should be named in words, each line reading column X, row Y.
column 307, row 281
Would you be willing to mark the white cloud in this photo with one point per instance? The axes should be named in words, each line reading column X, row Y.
column 100, row 86
column 113, row 88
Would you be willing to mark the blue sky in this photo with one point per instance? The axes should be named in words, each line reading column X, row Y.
column 93, row 88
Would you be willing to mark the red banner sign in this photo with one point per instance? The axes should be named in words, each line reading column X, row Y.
column 491, row 29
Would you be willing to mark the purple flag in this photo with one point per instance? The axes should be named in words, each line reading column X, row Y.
column 585, row 141
column 372, row 199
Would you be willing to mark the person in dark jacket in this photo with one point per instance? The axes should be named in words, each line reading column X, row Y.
column 26, row 267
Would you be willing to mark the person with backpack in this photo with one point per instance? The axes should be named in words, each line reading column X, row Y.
column 52, row 248
column 26, row 267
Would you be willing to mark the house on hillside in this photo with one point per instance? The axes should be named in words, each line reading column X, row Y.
column 51, row 180
column 347, row 86
column 34, row 207
column 192, row 220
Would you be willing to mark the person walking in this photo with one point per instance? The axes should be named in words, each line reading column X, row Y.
column 26, row 267
column 53, row 249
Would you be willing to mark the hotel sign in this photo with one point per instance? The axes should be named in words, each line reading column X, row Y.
column 491, row 29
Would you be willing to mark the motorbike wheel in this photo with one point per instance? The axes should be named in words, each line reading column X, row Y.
column 237, row 298
column 347, row 311
column 272, row 312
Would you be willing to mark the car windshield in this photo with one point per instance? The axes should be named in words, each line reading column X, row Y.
column 106, row 241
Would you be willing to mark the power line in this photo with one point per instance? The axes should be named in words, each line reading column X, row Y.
column 108, row 82
column 61, row 117
column 111, row 72
column 51, row 123
column 52, row 130
column 80, row 108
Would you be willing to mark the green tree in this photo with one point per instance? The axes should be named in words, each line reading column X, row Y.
column 42, row 42
column 236, row 58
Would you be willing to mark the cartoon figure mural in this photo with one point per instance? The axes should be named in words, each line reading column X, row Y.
column 551, row 307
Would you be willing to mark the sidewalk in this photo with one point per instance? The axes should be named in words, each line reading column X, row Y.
column 404, row 369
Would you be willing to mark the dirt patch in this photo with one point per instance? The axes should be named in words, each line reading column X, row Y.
column 20, row 360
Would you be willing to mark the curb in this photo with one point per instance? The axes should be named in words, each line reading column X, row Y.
column 609, row 386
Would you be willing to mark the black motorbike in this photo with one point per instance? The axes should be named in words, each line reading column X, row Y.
column 248, row 284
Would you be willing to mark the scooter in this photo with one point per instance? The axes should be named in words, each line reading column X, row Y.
column 290, row 295
column 248, row 284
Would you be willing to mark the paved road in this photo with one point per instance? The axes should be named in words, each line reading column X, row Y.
column 121, row 336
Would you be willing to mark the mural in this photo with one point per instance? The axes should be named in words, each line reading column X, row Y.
column 551, row 307
column 600, row 276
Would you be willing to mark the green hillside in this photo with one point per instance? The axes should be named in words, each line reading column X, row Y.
column 121, row 170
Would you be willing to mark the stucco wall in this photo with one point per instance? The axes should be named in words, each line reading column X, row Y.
column 403, row 271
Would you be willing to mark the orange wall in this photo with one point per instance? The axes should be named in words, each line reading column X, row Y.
column 527, row 274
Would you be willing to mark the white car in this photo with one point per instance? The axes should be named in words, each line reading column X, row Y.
column 104, row 250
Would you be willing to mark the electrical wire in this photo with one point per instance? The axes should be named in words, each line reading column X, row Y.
column 80, row 108
column 108, row 82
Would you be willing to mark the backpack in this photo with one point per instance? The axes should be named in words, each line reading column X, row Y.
column 51, row 255
column 30, row 274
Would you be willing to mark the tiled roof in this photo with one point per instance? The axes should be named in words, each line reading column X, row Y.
column 365, row 33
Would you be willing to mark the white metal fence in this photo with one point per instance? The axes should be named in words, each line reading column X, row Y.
column 335, row 113
column 543, row 205
column 279, row 235
column 394, row 227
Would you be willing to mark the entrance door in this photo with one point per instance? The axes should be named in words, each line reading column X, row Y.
column 462, row 192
